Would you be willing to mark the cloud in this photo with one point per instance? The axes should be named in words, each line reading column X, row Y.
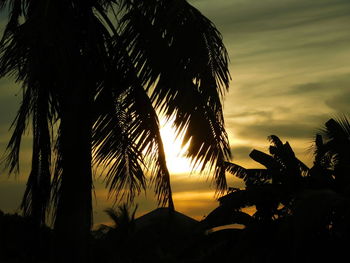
column 270, row 14
column 260, row 114
column 304, row 128
column 294, row 112
column 335, row 84
column 340, row 102
column 241, row 152
column 282, row 129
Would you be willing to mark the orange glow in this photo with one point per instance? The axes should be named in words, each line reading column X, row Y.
column 193, row 195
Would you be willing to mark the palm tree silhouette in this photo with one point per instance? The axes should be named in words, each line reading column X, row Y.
column 299, row 211
column 122, row 234
column 122, row 218
column 271, row 187
column 332, row 153
column 272, row 190
column 91, row 87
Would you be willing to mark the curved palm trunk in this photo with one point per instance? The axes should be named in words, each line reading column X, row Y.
column 74, row 211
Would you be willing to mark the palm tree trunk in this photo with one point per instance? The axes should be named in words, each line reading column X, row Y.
column 74, row 210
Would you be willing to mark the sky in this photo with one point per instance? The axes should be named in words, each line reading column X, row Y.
column 290, row 67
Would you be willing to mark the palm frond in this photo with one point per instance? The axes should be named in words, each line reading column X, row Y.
column 275, row 141
column 334, row 153
column 17, row 9
column 180, row 54
column 282, row 152
column 254, row 195
column 139, row 123
column 57, row 173
column 250, row 176
column 338, row 129
column 333, row 140
column 20, row 125
column 146, row 132
column 294, row 166
column 122, row 216
column 36, row 198
column 117, row 153
column 113, row 214
column 222, row 215
column 236, row 200
column 266, row 160
column 322, row 159
column 236, row 170
column 257, row 177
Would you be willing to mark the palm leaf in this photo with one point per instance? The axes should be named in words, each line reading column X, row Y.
column 338, row 129
column 142, row 127
column 250, row 176
column 20, row 125
column 266, row 160
column 222, row 215
column 36, row 198
column 236, row 170
column 122, row 216
column 115, row 151
column 180, row 54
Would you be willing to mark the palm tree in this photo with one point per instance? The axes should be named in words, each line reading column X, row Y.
column 298, row 210
column 267, row 189
column 122, row 234
column 53, row 58
column 92, row 85
column 272, row 190
column 123, row 218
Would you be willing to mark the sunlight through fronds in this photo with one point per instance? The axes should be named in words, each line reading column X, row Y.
column 173, row 45
column 113, row 65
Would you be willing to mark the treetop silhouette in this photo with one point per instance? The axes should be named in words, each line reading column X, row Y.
column 94, row 74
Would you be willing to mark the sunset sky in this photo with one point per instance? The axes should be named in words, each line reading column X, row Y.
column 290, row 67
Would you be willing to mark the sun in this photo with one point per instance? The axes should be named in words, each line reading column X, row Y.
column 175, row 154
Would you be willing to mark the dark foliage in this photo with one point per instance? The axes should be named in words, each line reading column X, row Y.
column 21, row 240
column 301, row 212
column 94, row 74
